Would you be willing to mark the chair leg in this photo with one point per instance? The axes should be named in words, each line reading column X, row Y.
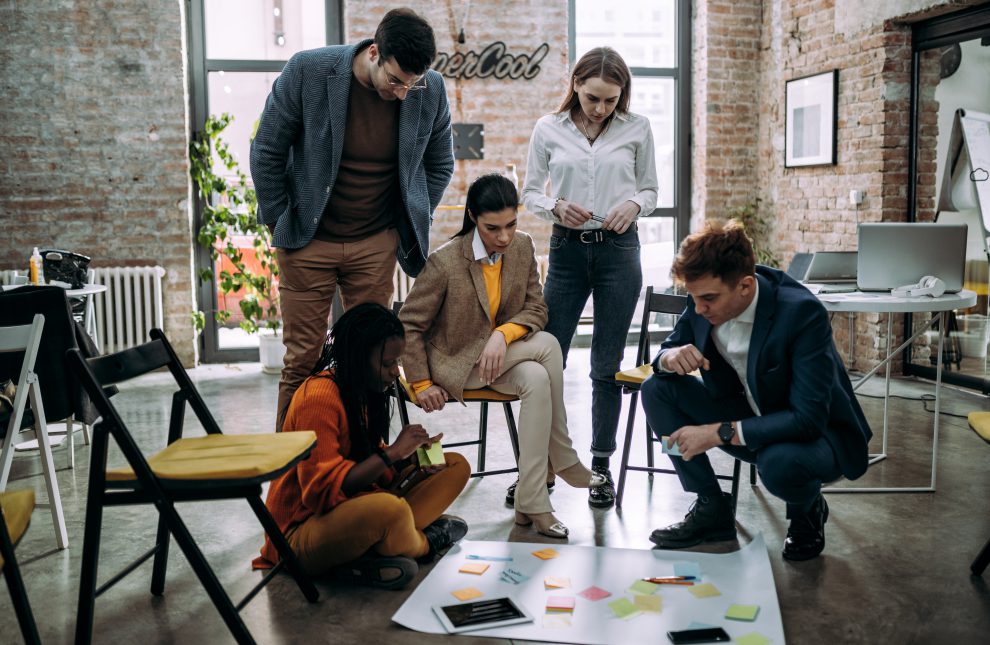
column 736, row 467
column 400, row 396
column 48, row 467
column 6, row 455
column 482, row 436
column 510, row 421
column 649, row 449
column 162, row 541
column 285, row 551
column 626, row 445
column 981, row 561
column 15, row 584
column 752, row 474
column 70, row 437
column 91, row 540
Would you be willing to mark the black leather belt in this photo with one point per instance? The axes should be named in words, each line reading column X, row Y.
column 588, row 236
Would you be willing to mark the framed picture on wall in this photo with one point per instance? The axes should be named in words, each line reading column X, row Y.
column 810, row 107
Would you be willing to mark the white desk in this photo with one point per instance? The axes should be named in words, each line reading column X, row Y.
column 885, row 303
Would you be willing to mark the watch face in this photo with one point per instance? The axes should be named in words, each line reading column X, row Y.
column 725, row 432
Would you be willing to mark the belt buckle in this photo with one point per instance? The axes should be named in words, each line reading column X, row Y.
column 597, row 235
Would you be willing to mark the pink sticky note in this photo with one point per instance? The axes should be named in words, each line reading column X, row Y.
column 560, row 603
column 594, row 593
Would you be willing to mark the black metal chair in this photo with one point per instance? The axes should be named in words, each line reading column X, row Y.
column 982, row 560
column 15, row 515
column 211, row 467
column 404, row 393
column 632, row 380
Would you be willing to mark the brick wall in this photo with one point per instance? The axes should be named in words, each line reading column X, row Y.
column 93, row 144
column 508, row 108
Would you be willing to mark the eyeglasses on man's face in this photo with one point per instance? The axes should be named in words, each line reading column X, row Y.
column 396, row 84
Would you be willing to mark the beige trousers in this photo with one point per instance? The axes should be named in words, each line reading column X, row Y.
column 308, row 279
column 534, row 371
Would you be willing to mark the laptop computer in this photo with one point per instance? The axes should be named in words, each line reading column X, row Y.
column 832, row 272
column 894, row 254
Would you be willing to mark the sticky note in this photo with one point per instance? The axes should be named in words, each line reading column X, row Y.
column 752, row 638
column 696, row 625
column 643, row 587
column 468, row 593
column 476, row 568
column 553, row 582
column 622, row 608
column 705, row 590
column 673, row 450
column 431, row 456
column 742, row 612
column 652, row 604
column 560, row 603
column 687, row 569
column 513, row 577
column 594, row 593
column 546, row 554
column 556, row 621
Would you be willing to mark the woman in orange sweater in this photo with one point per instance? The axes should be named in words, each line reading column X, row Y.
column 355, row 499
column 474, row 318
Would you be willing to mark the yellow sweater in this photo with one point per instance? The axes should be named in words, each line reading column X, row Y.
column 493, row 287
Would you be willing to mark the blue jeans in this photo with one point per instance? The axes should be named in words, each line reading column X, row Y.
column 792, row 471
column 611, row 273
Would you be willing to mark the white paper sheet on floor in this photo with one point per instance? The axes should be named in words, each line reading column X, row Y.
column 743, row 577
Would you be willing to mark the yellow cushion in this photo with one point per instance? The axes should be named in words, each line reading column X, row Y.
column 635, row 375
column 483, row 394
column 224, row 456
column 980, row 421
column 17, row 507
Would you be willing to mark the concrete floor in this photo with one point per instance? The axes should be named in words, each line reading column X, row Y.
column 895, row 568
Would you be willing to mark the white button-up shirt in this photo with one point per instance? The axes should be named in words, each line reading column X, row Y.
column 620, row 166
column 480, row 252
column 732, row 341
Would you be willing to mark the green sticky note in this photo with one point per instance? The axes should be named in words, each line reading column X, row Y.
column 432, row 456
column 622, row 608
column 752, row 638
column 643, row 587
column 742, row 612
column 652, row 604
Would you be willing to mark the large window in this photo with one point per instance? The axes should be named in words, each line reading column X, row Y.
column 237, row 49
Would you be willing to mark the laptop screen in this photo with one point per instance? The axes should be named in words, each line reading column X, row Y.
column 895, row 254
column 832, row 266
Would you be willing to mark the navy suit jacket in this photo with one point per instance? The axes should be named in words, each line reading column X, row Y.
column 793, row 370
column 296, row 152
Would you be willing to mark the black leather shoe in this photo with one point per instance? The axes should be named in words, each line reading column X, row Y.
column 378, row 571
column 510, row 492
column 806, row 533
column 710, row 519
column 602, row 496
column 442, row 535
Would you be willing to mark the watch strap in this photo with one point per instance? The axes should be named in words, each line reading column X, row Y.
column 384, row 455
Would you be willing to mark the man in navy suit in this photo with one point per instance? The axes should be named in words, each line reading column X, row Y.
column 773, row 391
column 352, row 156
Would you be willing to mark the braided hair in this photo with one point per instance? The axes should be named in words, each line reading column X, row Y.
column 347, row 355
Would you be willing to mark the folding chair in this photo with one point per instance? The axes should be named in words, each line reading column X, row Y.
column 29, row 423
column 15, row 515
column 215, row 466
column 632, row 380
column 404, row 392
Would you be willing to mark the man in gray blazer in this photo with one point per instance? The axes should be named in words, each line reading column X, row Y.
column 352, row 156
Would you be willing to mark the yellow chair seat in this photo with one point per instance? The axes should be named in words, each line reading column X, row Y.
column 224, row 457
column 635, row 375
column 482, row 394
column 980, row 422
column 17, row 507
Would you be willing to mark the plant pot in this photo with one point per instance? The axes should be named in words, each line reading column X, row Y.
column 271, row 351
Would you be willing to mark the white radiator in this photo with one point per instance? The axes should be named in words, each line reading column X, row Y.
column 129, row 308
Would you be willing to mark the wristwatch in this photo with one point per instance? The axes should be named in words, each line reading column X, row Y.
column 384, row 455
column 726, row 432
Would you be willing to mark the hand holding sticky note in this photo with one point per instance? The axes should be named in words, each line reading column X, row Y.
column 432, row 456
column 672, row 450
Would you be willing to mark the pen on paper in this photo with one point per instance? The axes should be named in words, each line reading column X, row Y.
column 656, row 579
column 492, row 558
column 667, row 581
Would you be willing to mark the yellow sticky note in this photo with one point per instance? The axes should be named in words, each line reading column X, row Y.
column 653, row 604
column 622, row 608
column 553, row 582
column 556, row 621
column 546, row 554
column 643, row 587
column 742, row 612
column 476, row 568
column 752, row 638
column 468, row 593
column 432, row 456
column 705, row 590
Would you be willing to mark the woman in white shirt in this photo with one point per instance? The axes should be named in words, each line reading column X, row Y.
column 597, row 159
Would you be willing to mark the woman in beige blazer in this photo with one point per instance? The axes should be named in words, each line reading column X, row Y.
column 474, row 318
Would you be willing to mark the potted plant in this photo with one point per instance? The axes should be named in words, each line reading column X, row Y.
column 231, row 233
column 759, row 227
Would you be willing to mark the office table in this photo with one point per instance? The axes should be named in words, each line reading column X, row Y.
column 866, row 302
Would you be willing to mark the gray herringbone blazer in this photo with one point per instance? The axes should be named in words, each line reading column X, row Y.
column 446, row 313
column 297, row 150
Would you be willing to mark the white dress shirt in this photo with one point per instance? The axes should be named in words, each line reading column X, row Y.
column 480, row 252
column 619, row 167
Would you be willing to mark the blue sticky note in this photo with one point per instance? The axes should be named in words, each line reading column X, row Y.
column 673, row 450
column 687, row 569
column 697, row 625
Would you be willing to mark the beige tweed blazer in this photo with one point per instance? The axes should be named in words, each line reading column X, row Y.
column 446, row 313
